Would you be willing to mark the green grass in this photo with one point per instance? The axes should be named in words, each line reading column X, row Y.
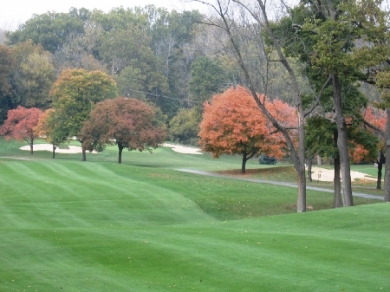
column 67, row 225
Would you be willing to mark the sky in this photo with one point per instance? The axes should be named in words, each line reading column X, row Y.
column 16, row 12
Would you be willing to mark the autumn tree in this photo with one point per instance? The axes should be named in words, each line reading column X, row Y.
column 48, row 127
column 233, row 124
column 252, row 45
column 20, row 125
column 74, row 94
column 127, row 122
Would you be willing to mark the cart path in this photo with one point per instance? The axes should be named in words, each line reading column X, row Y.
column 286, row 184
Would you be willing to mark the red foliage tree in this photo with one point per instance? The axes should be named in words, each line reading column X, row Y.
column 126, row 122
column 20, row 125
column 233, row 124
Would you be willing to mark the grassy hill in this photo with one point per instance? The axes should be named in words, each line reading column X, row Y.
column 67, row 225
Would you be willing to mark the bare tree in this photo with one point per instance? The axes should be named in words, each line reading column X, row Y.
column 245, row 24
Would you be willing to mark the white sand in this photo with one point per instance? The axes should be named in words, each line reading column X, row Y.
column 77, row 149
column 48, row 147
column 183, row 149
column 323, row 174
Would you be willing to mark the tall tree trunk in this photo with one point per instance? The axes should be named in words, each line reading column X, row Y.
column 54, row 151
column 337, row 201
column 120, row 149
column 299, row 162
column 342, row 143
column 381, row 160
column 387, row 163
column 31, row 146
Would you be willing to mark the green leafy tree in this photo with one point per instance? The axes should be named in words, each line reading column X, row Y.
column 184, row 127
column 126, row 122
column 337, row 41
column 7, row 66
column 49, row 127
column 34, row 75
column 207, row 78
column 50, row 29
column 74, row 94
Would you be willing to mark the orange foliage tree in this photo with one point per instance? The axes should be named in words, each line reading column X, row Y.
column 126, row 122
column 233, row 124
column 20, row 125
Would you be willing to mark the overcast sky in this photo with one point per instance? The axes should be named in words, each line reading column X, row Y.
column 15, row 12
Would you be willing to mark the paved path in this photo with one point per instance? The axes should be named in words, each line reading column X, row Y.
column 286, row 184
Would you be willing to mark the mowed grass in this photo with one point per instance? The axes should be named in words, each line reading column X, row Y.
column 67, row 225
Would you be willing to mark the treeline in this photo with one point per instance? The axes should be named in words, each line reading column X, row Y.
column 164, row 57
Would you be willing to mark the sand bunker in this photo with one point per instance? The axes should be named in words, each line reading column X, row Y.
column 77, row 149
column 323, row 174
column 48, row 147
column 183, row 149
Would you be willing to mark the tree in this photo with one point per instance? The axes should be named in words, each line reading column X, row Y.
column 20, row 125
column 184, row 127
column 48, row 127
column 375, row 120
column 338, row 41
column 233, row 124
column 126, row 122
column 384, row 83
column 207, row 78
column 7, row 65
column 50, row 29
column 34, row 75
column 74, row 94
column 244, row 48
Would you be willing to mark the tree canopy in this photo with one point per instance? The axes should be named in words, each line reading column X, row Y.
column 75, row 93
column 20, row 125
column 233, row 124
column 127, row 122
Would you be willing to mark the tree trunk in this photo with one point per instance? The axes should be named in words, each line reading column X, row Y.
column 309, row 167
column 54, row 151
column 243, row 164
column 319, row 160
column 337, row 201
column 381, row 160
column 387, row 163
column 32, row 147
column 120, row 149
column 342, row 143
column 84, row 153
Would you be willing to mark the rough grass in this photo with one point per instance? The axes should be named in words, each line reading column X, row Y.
column 67, row 225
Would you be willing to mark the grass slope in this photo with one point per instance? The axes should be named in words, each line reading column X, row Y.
column 67, row 225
